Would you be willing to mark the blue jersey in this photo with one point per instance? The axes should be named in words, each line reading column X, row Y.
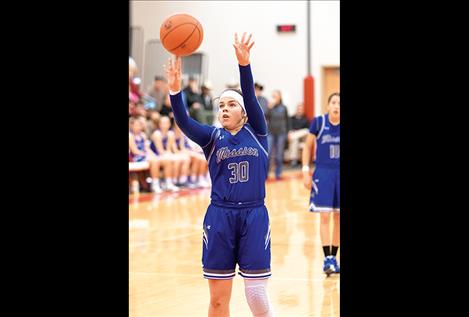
column 327, row 142
column 164, row 141
column 140, row 143
column 237, row 163
column 238, row 167
column 184, row 140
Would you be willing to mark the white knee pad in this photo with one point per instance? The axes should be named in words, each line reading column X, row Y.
column 256, row 295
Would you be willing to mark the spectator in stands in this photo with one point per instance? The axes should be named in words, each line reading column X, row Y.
column 166, row 110
column 207, row 103
column 193, row 99
column 277, row 123
column 140, row 109
column 299, row 128
column 261, row 99
column 159, row 91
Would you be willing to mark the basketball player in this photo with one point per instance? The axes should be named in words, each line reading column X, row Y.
column 162, row 144
column 140, row 152
column 323, row 141
column 198, row 163
column 236, row 224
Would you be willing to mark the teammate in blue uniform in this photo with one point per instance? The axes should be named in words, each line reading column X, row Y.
column 162, row 144
column 140, row 152
column 195, row 154
column 323, row 141
column 236, row 226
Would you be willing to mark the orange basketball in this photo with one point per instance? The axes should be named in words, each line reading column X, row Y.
column 181, row 34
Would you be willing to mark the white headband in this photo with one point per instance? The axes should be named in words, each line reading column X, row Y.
column 236, row 96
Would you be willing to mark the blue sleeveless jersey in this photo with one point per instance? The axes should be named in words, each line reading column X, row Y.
column 140, row 142
column 238, row 167
column 164, row 140
column 327, row 142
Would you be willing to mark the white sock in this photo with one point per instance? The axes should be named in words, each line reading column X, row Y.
column 183, row 179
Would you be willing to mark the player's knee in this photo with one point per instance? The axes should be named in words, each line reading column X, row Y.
column 325, row 218
column 256, row 295
column 218, row 302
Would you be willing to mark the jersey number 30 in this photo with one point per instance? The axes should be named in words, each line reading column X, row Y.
column 239, row 171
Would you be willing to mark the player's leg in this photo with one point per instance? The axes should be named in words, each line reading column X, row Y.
column 254, row 259
column 177, row 165
column 335, row 241
column 218, row 258
column 336, row 217
column 194, row 169
column 220, row 295
column 204, row 178
column 169, row 172
column 281, row 139
column 155, row 173
column 322, row 200
column 257, row 297
column 185, row 164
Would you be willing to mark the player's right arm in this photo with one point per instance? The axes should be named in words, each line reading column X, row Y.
column 199, row 133
column 308, row 149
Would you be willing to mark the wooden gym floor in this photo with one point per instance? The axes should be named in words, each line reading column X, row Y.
column 165, row 250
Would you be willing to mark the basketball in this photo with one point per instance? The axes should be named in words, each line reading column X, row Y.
column 181, row 34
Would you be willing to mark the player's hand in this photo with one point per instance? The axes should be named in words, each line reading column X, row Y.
column 242, row 49
column 307, row 181
column 173, row 73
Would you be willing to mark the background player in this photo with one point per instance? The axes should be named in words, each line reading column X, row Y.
column 140, row 152
column 324, row 142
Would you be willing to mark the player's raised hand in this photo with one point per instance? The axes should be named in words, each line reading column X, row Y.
column 173, row 73
column 242, row 49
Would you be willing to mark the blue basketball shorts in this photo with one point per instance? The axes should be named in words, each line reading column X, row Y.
column 325, row 192
column 236, row 236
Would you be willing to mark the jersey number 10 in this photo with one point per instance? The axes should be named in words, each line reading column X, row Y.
column 334, row 151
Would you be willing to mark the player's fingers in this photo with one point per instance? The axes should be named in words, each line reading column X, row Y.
column 178, row 63
column 249, row 38
column 242, row 38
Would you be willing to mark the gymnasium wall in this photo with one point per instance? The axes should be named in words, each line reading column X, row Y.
column 278, row 60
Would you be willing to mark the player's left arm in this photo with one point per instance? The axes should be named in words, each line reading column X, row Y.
column 253, row 108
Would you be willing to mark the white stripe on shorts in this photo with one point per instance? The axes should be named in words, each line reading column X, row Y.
column 313, row 207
